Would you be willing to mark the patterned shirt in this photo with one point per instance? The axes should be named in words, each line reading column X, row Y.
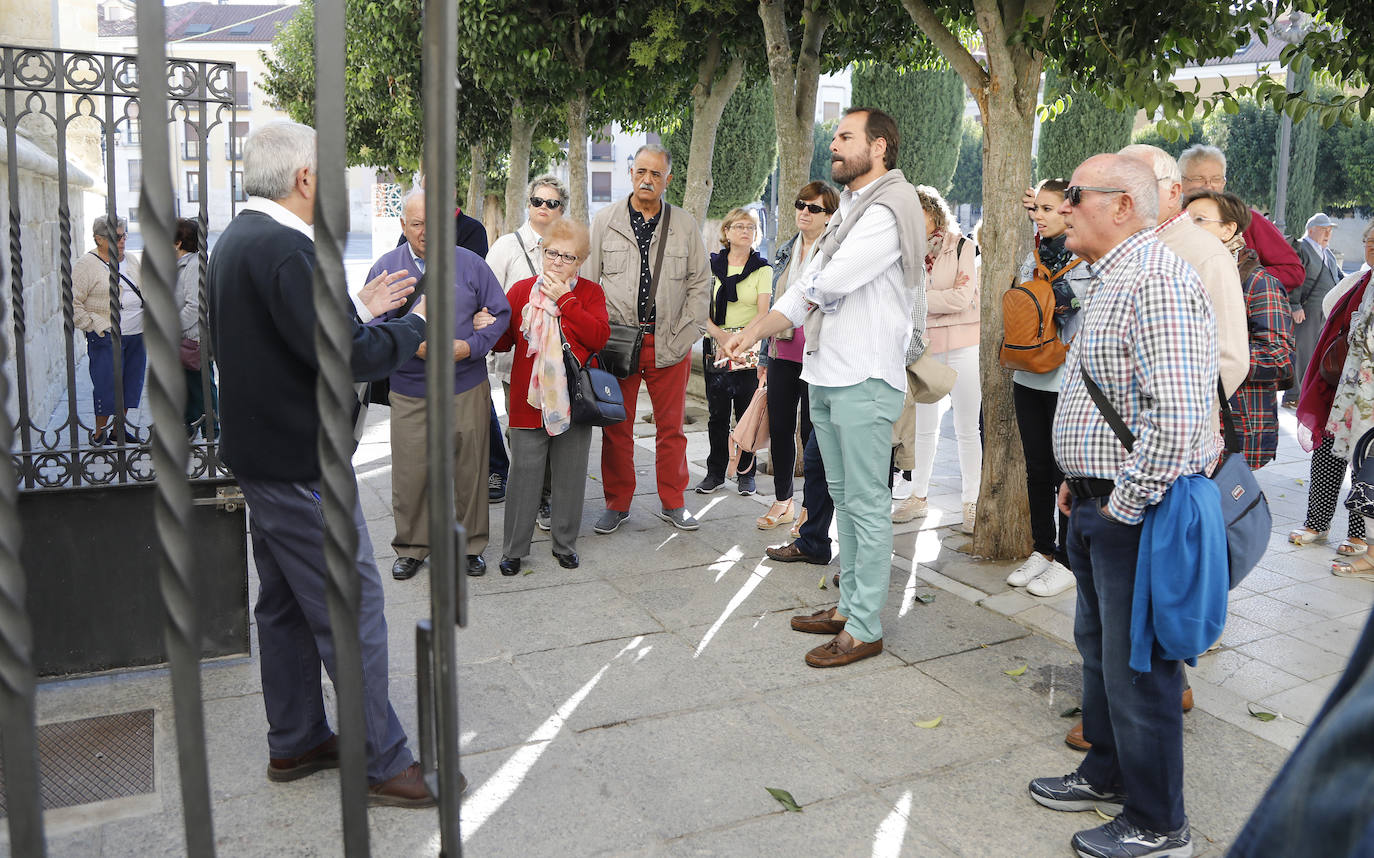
column 1271, row 358
column 1149, row 340
column 644, row 234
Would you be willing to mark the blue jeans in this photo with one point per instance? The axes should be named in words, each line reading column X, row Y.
column 1323, row 798
column 294, row 631
column 814, row 534
column 133, row 362
column 1133, row 720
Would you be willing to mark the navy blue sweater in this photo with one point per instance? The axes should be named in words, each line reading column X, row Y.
column 262, row 327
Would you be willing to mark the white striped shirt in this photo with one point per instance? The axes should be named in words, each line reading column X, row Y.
column 867, row 306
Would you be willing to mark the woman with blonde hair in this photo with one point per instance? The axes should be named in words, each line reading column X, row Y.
column 740, row 290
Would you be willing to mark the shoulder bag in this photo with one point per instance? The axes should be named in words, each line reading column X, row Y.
column 594, row 396
column 620, row 355
column 1243, row 505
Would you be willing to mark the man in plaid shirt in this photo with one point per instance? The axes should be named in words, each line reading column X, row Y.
column 1149, row 340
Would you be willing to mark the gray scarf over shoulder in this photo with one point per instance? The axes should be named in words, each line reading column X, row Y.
column 894, row 191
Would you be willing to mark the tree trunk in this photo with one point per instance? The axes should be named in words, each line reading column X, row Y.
column 477, row 182
column 518, row 172
column 794, row 94
column 493, row 219
column 708, row 102
column 577, row 156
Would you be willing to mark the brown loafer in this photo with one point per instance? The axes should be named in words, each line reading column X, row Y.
column 790, row 553
column 1187, row 700
column 819, row 623
column 1074, row 739
column 407, row 789
column 325, row 755
column 835, row 654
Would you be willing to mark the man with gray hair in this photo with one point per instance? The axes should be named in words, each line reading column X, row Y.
column 648, row 257
column 1321, row 271
column 1204, row 168
column 1148, row 340
column 262, row 322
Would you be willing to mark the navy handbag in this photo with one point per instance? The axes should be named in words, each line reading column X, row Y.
column 1243, row 505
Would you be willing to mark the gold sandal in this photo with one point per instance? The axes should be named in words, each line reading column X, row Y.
column 1360, row 567
column 796, row 525
column 776, row 515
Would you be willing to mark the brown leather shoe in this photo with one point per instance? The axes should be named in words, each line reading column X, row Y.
column 836, row 654
column 407, row 789
column 1187, row 700
column 819, row 623
column 325, row 755
column 1074, row 739
column 790, row 553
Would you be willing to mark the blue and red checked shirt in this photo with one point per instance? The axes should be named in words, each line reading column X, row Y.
column 1149, row 340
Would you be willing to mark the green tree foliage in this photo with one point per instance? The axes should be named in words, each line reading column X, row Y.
column 1346, row 177
column 928, row 105
column 967, row 187
column 745, row 151
column 821, row 134
column 1150, row 135
column 1084, row 128
column 1249, row 137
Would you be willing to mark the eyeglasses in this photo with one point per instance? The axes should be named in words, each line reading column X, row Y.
column 743, row 227
column 1200, row 220
column 1205, row 181
column 1074, row 193
column 554, row 256
column 540, row 202
column 811, row 207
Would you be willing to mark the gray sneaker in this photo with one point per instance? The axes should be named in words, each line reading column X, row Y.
column 1122, row 838
column 1073, row 792
column 544, row 518
column 609, row 521
column 679, row 518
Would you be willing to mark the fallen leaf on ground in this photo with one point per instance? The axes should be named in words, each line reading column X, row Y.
column 1071, row 713
column 785, row 799
column 1103, row 815
column 1261, row 714
column 529, row 571
column 822, row 584
column 931, row 724
column 925, row 598
column 1015, row 671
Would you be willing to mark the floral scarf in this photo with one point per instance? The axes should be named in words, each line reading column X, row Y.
column 934, row 243
column 548, row 390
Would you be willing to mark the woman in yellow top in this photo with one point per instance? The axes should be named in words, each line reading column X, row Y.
column 740, row 291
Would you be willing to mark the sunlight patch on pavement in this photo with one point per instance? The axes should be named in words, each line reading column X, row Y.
column 670, row 538
column 726, row 561
column 699, row 514
column 908, row 593
column 927, row 546
column 750, row 583
column 501, row 786
column 887, row 841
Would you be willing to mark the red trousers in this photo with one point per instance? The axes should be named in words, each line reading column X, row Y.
column 668, row 393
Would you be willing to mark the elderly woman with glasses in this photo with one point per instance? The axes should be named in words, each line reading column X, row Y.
column 739, row 291
column 554, row 308
column 91, row 275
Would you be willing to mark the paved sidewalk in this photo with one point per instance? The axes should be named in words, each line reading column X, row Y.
column 640, row 705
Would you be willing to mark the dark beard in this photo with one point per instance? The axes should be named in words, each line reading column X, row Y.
column 846, row 171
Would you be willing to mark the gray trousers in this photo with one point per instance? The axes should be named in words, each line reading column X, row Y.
column 294, row 635
column 1305, row 336
column 566, row 455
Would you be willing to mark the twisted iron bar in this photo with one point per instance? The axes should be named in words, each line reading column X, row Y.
column 167, row 401
column 336, row 399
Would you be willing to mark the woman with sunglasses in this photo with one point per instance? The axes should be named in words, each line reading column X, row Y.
column 1270, row 322
column 739, row 292
column 513, row 257
column 1035, row 395
column 782, row 355
column 547, row 311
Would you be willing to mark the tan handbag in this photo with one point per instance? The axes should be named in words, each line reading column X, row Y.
column 928, row 380
column 750, row 434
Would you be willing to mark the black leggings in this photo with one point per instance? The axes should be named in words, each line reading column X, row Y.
column 786, row 391
column 1035, row 419
column 1328, row 473
column 726, row 392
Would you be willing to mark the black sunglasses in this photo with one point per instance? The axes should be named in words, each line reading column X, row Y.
column 811, row 207
column 1074, row 193
column 540, row 202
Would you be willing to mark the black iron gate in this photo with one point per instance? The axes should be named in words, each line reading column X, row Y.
column 182, row 478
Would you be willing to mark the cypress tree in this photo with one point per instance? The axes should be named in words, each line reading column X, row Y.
column 928, row 106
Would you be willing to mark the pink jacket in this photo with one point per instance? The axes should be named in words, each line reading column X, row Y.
column 952, row 312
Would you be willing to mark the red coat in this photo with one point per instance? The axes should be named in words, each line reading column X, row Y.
column 1275, row 253
column 585, row 327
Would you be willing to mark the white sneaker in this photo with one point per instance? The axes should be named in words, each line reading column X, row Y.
column 970, row 515
column 1034, row 565
column 1054, row 580
column 911, row 508
column 901, row 488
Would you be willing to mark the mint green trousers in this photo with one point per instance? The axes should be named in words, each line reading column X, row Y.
column 853, row 427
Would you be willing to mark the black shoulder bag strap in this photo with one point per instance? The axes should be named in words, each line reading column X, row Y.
column 1228, row 420
column 122, row 276
column 520, row 241
column 658, row 260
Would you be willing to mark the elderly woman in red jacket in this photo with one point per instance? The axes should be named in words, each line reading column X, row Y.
column 546, row 311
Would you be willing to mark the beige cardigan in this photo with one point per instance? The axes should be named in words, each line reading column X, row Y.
column 91, row 290
column 1221, row 279
column 952, row 307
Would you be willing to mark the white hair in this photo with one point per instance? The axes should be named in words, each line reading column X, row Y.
column 1141, row 185
column 550, row 181
column 273, row 154
column 414, row 193
column 101, row 227
column 656, row 149
column 1202, row 152
column 1164, row 166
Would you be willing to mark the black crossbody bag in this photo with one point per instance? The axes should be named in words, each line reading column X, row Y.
column 620, row 355
column 1243, row 505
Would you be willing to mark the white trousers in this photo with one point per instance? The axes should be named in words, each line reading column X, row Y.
column 967, row 400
